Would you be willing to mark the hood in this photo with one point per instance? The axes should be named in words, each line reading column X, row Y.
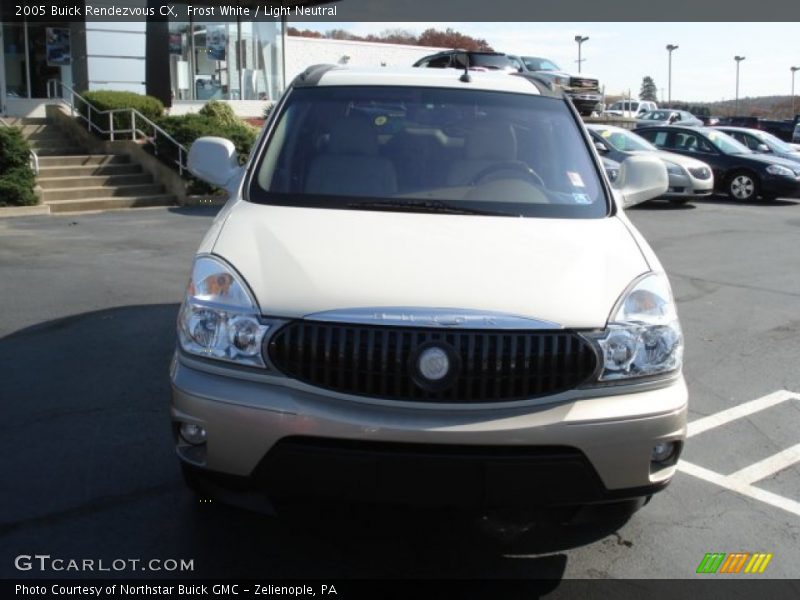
column 299, row 261
column 771, row 159
column 684, row 161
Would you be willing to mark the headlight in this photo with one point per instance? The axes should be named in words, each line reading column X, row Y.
column 673, row 169
column 219, row 318
column 780, row 170
column 563, row 81
column 643, row 337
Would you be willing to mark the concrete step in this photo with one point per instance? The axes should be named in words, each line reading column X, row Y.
column 59, row 142
column 82, row 160
column 46, row 181
column 87, row 170
column 34, row 129
column 46, row 135
column 111, row 203
column 65, row 150
column 85, row 193
column 23, row 121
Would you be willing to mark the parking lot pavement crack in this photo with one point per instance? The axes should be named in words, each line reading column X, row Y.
column 755, row 288
column 89, row 508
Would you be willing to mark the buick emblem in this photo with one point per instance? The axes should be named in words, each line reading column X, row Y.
column 433, row 363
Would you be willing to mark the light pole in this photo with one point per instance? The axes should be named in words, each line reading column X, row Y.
column 580, row 39
column 670, row 48
column 794, row 70
column 738, row 59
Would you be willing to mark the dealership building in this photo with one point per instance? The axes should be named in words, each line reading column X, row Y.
column 182, row 62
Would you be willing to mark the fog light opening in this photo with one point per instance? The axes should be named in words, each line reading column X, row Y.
column 193, row 434
column 663, row 452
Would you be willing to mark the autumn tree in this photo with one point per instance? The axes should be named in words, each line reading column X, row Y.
column 449, row 38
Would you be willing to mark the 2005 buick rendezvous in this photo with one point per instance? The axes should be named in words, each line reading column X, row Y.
column 423, row 290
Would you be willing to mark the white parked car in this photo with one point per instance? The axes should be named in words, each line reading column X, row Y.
column 689, row 178
column 440, row 303
column 630, row 109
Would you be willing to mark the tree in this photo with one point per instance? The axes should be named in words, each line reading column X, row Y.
column 452, row 39
column 649, row 90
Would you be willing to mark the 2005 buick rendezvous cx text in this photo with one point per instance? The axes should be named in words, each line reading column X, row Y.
column 424, row 291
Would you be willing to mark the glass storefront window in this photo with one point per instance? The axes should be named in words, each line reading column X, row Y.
column 15, row 61
column 226, row 60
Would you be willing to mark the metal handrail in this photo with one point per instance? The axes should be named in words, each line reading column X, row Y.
column 34, row 158
column 133, row 130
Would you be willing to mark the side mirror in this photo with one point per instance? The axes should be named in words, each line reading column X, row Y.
column 214, row 159
column 763, row 148
column 642, row 178
column 601, row 147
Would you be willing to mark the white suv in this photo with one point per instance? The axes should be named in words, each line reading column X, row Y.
column 631, row 109
column 424, row 290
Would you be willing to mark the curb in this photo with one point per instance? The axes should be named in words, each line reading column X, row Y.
column 24, row 211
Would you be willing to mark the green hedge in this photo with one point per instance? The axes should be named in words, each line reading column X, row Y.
column 16, row 177
column 187, row 128
column 220, row 112
column 150, row 107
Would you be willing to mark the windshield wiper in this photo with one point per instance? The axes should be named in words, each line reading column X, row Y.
column 426, row 206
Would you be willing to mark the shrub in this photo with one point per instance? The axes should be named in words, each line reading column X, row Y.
column 220, row 112
column 185, row 129
column 16, row 177
column 150, row 107
column 14, row 149
column 268, row 110
column 13, row 194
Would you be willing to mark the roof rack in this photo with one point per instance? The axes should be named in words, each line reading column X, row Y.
column 311, row 76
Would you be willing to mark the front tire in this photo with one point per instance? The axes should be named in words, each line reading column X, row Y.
column 742, row 186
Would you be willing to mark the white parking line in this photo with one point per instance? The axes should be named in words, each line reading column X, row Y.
column 768, row 466
column 737, row 412
column 741, row 481
column 739, row 487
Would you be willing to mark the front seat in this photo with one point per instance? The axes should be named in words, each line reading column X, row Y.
column 486, row 145
column 351, row 165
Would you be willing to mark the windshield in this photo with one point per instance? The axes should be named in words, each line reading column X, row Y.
column 623, row 141
column 539, row 64
column 727, row 144
column 429, row 150
column 774, row 143
column 487, row 61
column 657, row 115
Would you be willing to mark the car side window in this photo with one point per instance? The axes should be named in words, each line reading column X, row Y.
column 748, row 140
column 440, row 62
column 657, row 138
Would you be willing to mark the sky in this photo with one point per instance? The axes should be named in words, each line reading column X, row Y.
column 621, row 54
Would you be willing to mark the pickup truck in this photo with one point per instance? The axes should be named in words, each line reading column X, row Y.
column 583, row 90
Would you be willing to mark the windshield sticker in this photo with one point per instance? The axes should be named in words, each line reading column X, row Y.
column 606, row 133
column 575, row 179
column 712, row 135
column 381, row 120
column 581, row 199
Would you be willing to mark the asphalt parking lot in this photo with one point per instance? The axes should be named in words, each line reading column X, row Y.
column 86, row 333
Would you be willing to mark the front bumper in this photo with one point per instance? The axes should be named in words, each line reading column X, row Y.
column 686, row 186
column 275, row 436
column 584, row 100
column 782, row 187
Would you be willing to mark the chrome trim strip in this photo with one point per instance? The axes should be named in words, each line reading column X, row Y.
column 449, row 318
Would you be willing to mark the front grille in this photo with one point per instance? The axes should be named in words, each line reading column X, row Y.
column 580, row 82
column 380, row 362
column 700, row 172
